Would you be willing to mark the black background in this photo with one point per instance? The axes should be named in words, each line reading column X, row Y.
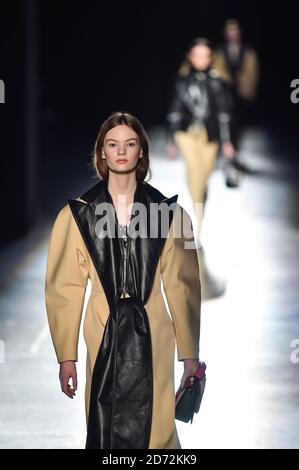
column 67, row 65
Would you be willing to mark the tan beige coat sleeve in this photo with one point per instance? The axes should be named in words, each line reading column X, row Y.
column 65, row 284
column 181, row 282
column 248, row 77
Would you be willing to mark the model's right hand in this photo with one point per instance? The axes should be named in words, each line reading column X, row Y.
column 68, row 370
column 228, row 150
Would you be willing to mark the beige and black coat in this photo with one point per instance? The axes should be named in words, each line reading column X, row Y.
column 129, row 394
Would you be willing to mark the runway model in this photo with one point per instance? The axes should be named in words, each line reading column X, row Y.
column 237, row 63
column 199, row 120
column 124, row 236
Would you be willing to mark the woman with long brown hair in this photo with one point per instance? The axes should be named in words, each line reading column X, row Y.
column 125, row 236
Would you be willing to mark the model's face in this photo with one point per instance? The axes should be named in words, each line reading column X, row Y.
column 200, row 57
column 122, row 149
column 232, row 34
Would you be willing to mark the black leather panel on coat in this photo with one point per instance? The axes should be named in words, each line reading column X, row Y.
column 120, row 409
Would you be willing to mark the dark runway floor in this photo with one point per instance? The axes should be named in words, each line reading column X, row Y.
column 248, row 335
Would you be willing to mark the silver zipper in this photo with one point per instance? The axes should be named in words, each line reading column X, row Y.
column 124, row 246
column 125, row 269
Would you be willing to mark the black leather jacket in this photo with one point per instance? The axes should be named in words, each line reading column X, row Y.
column 204, row 98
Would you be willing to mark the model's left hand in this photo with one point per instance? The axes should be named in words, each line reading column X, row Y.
column 228, row 150
column 190, row 367
column 171, row 151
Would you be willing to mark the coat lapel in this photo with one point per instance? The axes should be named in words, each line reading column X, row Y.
column 96, row 217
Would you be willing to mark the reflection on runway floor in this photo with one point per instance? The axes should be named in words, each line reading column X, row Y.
column 251, row 243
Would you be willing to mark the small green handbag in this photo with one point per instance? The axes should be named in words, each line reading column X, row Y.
column 188, row 397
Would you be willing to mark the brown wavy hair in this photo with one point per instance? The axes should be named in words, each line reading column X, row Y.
column 115, row 119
